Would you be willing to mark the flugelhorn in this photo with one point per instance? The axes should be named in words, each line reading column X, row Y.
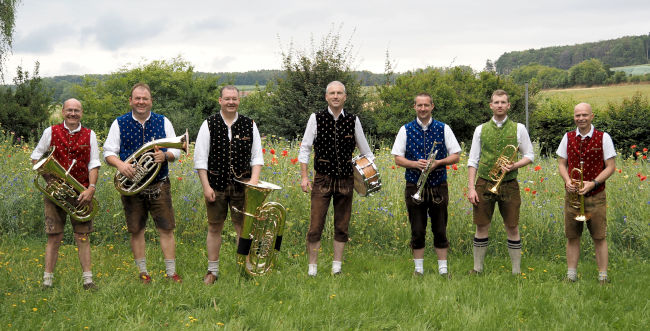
column 145, row 167
column 261, row 233
column 422, row 180
column 576, row 199
column 497, row 173
column 63, row 189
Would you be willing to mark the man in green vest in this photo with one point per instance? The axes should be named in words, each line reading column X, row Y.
column 491, row 139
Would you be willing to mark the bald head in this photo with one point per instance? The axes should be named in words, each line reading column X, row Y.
column 583, row 106
column 583, row 116
column 72, row 102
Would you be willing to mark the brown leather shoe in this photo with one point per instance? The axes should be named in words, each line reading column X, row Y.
column 209, row 278
column 90, row 286
column 145, row 278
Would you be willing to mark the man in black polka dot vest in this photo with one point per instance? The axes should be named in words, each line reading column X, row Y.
column 228, row 147
column 593, row 152
column 333, row 134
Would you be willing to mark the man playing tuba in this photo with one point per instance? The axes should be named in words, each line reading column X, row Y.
column 415, row 146
column 595, row 150
column 75, row 148
column 490, row 141
column 126, row 135
column 228, row 147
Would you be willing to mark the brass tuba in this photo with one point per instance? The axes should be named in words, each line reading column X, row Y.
column 63, row 189
column 261, row 234
column 577, row 200
column 496, row 173
column 145, row 167
column 422, row 180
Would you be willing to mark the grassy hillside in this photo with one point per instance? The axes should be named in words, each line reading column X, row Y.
column 598, row 97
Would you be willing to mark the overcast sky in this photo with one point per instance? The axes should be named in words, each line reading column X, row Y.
column 80, row 37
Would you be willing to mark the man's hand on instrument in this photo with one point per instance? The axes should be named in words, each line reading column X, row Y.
column 586, row 187
column 305, row 184
column 158, row 155
column 126, row 169
column 422, row 164
column 507, row 167
column 472, row 196
column 86, row 196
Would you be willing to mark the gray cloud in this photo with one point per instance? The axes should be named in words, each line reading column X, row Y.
column 221, row 62
column 113, row 32
column 43, row 40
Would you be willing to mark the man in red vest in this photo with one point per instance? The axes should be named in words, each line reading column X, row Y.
column 593, row 152
column 72, row 142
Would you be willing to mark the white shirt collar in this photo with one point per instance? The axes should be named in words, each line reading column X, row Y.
column 331, row 113
column 234, row 120
column 148, row 117
column 72, row 131
column 499, row 124
column 591, row 132
column 424, row 126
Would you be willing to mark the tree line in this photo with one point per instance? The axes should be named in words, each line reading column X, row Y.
column 625, row 51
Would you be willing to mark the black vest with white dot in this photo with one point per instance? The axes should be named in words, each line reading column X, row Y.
column 334, row 144
column 229, row 159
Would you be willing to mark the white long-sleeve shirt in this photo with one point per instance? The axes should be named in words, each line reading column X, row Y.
column 202, row 146
column 112, row 143
column 310, row 134
column 451, row 143
column 44, row 144
column 525, row 146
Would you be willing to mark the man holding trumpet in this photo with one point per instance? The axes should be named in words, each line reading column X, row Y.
column 424, row 147
column 498, row 138
column 592, row 152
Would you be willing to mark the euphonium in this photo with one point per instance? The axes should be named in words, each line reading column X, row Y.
column 261, row 233
column 496, row 173
column 63, row 189
column 577, row 200
column 145, row 167
column 422, row 180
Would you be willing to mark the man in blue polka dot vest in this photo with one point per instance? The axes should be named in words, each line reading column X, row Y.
column 126, row 135
column 413, row 145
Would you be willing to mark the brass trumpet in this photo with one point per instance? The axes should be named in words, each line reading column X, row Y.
column 577, row 200
column 145, row 167
column 496, row 173
column 63, row 189
column 261, row 234
column 422, row 180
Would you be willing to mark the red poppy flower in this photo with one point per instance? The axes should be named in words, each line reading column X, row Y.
column 645, row 150
column 645, row 157
column 272, row 151
column 527, row 189
column 294, row 161
column 263, row 150
column 633, row 146
column 534, row 192
column 638, row 174
column 538, row 168
column 454, row 166
column 619, row 171
column 638, row 153
column 643, row 178
column 179, row 178
column 393, row 167
column 448, row 167
column 285, row 153
column 274, row 160
column 541, row 180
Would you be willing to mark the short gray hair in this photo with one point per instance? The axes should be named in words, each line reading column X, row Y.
column 335, row 82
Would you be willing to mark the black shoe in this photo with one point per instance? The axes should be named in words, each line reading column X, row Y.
column 91, row 286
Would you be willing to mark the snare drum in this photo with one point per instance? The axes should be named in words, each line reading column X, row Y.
column 366, row 176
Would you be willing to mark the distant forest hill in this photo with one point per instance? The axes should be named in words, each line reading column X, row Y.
column 61, row 85
column 625, row 51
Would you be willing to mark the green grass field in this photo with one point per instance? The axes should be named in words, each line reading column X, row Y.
column 600, row 96
column 641, row 69
column 377, row 289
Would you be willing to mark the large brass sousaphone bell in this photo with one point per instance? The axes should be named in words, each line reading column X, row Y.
column 261, row 234
column 145, row 167
column 62, row 188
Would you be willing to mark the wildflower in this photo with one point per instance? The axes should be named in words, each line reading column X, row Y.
column 527, row 189
column 274, row 160
column 534, row 192
column 638, row 174
column 541, row 180
column 538, row 168
column 285, row 153
column 263, row 150
column 448, row 167
column 638, row 153
column 34, row 309
column 294, row 161
column 272, row 151
column 633, row 147
column 645, row 157
column 454, row 166
column 392, row 167
column 643, row 178
column 645, row 150
column 619, row 171
column 180, row 178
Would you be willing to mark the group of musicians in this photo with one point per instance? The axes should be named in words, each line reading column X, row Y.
column 228, row 149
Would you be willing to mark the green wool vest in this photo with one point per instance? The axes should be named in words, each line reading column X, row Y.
column 493, row 140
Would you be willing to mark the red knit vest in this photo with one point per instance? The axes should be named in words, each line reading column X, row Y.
column 72, row 146
column 589, row 150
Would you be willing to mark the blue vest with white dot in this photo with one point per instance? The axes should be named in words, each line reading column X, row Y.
column 418, row 145
column 133, row 135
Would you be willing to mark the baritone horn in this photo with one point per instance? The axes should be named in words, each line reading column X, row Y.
column 422, row 180
column 576, row 199
column 261, row 233
column 63, row 189
column 496, row 173
column 146, row 169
